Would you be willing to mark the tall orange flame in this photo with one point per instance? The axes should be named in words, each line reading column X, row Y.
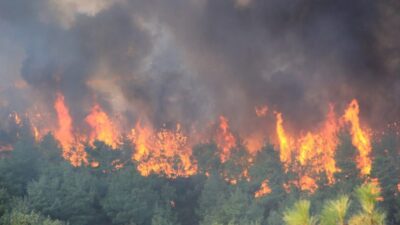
column 103, row 128
column 285, row 143
column 359, row 137
column 72, row 150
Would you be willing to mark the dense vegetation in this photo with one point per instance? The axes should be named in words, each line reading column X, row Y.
column 37, row 187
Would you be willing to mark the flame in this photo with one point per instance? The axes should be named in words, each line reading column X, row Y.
column 312, row 153
column 359, row 137
column 141, row 135
column 254, row 142
column 72, row 150
column 264, row 190
column 307, row 183
column 169, row 152
column 164, row 152
column 285, row 143
column 318, row 149
column 103, row 128
column 225, row 139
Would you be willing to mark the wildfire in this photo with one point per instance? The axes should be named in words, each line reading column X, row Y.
column 254, row 142
column 359, row 137
column 264, row 190
column 307, row 183
column 318, row 149
column 168, row 152
column 102, row 128
column 72, row 149
column 164, row 152
column 225, row 139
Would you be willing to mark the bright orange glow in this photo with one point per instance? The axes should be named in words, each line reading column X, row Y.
column 264, row 190
column 307, row 183
column 307, row 154
column 72, row 150
column 375, row 188
column 254, row 142
column 225, row 139
column 310, row 154
column 317, row 150
column 285, row 143
column 102, row 128
column 165, row 152
column 360, row 138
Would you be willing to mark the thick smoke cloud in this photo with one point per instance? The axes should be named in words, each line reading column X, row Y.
column 190, row 61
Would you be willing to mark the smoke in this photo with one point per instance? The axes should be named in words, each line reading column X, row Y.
column 190, row 61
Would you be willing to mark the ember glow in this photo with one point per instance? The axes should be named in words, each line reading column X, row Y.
column 264, row 190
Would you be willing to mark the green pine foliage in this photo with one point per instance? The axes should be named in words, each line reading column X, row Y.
column 38, row 187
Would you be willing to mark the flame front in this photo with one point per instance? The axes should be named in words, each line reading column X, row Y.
column 72, row 149
column 359, row 137
column 164, row 151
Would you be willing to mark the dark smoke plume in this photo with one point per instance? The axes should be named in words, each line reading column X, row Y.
column 190, row 61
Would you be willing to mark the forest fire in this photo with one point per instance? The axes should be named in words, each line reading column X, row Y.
column 199, row 112
column 314, row 152
column 169, row 152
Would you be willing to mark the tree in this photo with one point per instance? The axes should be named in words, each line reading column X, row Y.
column 163, row 216
column 20, row 214
column 21, row 167
column 132, row 198
column 299, row 214
column 334, row 211
column 368, row 195
column 68, row 194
